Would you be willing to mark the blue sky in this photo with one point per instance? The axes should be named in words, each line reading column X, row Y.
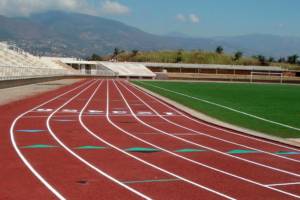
column 216, row 17
column 192, row 17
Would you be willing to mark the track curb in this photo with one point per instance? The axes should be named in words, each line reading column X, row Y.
column 213, row 121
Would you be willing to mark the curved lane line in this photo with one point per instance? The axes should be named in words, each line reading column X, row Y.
column 213, row 126
column 216, row 138
column 23, row 158
column 193, row 161
column 220, row 128
column 141, row 160
column 225, row 107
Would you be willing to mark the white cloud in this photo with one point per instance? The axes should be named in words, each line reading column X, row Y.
column 181, row 17
column 27, row 7
column 193, row 18
column 114, row 8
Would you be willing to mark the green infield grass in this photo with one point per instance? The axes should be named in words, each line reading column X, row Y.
column 273, row 109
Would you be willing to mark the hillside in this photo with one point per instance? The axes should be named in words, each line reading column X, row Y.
column 70, row 34
column 194, row 57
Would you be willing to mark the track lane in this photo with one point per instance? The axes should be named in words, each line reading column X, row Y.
column 212, row 170
column 162, row 123
column 217, row 131
column 99, row 179
column 106, row 133
column 17, row 185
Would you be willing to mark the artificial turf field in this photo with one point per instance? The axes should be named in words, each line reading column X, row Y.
column 274, row 108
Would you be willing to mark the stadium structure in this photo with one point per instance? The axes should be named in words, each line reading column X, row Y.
column 16, row 64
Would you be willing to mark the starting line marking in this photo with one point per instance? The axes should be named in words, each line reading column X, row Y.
column 283, row 184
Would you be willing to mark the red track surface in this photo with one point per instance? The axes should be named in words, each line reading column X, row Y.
column 117, row 116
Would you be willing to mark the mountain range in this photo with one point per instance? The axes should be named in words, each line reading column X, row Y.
column 57, row 33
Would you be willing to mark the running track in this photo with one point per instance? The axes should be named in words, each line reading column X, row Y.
column 84, row 142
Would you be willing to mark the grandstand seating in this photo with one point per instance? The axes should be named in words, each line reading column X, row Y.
column 129, row 69
column 18, row 64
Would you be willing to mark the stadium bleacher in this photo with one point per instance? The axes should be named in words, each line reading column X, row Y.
column 18, row 64
column 129, row 69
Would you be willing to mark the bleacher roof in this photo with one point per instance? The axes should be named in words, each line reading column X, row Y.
column 213, row 66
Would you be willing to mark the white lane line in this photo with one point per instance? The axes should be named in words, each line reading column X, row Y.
column 79, row 157
column 283, row 184
column 222, row 129
column 137, row 158
column 105, row 142
column 23, row 158
column 193, row 161
column 225, row 107
column 215, row 150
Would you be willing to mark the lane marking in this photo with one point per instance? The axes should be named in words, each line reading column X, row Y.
column 189, row 150
column 200, row 133
column 152, row 181
column 90, row 147
column 210, row 125
column 44, row 110
column 199, row 163
column 227, row 141
column 39, row 146
column 23, row 158
column 241, row 151
column 225, row 107
column 137, row 158
column 108, row 144
column 70, row 110
column 142, row 150
column 30, row 131
column 283, row 184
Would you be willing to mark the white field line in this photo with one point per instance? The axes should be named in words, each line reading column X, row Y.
column 137, row 158
column 214, row 126
column 79, row 157
column 283, row 184
column 225, row 107
column 23, row 158
column 207, row 135
column 199, row 163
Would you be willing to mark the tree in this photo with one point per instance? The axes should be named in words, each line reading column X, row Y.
column 271, row 59
column 219, row 50
column 293, row 59
column 238, row 55
column 95, row 57
column 262, row 60
column 134, row 52
column 116, row 52
column 281, row 60
column 179, row 56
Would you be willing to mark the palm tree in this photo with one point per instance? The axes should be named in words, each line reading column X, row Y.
column 293, row 59
column 271, row 59
column 262, row 59
column 219, row 50
column 238, row 55
column 134, row 52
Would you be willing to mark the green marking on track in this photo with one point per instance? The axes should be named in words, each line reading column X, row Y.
column 151, row 181
column 39, row 146
column 142, row 150
column 90, row 147
column 241, row 151
column 287, row 153
column 189, row 150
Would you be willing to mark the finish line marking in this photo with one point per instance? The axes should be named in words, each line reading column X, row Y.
column 283, row 184
column 152, row 181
